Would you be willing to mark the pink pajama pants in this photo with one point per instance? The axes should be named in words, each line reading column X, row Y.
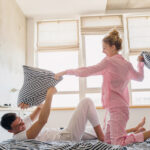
column 115, row 132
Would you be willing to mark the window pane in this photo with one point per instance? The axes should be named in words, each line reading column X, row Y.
column 94, row 82
column 59, row 61
column 146, row 81
column 65, row 100
column 96, row 97
column 139, row 32
column 140, row 98
column 94, row 54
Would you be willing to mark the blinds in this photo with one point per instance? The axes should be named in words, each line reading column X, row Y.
column 58, row 35
column 139, row 33
column 100, row 24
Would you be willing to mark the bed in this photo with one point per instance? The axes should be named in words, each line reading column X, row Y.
column 83, row 145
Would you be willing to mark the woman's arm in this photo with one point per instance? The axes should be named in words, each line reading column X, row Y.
column 138, row 75
column 86, row 71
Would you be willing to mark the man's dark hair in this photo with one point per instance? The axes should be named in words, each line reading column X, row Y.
column 7, row 120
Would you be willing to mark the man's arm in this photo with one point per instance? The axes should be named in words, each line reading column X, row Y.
column 43, row 117
column 36, row 112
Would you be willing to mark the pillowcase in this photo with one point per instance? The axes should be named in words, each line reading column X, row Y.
column 146, row 56
column 35, row 86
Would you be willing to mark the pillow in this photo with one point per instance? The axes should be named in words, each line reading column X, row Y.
column 35, row 86
column 146, row 56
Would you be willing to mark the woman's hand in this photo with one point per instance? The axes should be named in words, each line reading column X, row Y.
column 23, row 106
column 140, row 58
column 58, row 75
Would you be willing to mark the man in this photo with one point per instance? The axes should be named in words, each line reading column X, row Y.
column 74, row 132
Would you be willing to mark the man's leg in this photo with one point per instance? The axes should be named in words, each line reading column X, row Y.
column 84, row 112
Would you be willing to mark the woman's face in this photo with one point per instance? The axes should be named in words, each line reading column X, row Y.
column 109, row 50
column 18, row 125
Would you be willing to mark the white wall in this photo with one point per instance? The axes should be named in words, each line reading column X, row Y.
column 12, row 49
column 12, row 53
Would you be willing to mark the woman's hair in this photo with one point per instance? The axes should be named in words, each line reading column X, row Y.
column 113, row 39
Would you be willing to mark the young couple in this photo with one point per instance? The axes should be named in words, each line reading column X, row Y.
column 32, row 127
column 116, row 72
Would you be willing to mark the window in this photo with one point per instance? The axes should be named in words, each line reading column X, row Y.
column 145, row 83
column 58, row 48
column 59, row 61
column 58, row 35
column 100, row 24
column 65, row 100
column 96, row 97
column 139, row 37
column 140, row 98
column 94, row 54
column 93, row 30
column 140, row 90
column 139, row 33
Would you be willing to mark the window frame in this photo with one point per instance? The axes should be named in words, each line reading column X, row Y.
column 59, row 49
column 132, row 52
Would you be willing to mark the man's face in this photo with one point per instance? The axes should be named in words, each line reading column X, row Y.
column 17, row 125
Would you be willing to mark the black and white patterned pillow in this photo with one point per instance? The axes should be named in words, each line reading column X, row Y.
column 35, row 86
column 146, row 56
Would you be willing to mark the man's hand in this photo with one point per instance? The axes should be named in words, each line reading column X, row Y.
column 40, row 106
column 35, row 129
column 51, row 91
column 58, row 75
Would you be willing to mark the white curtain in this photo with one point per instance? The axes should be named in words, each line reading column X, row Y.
column 57, row 34
column 100, row 24
column 139, row 32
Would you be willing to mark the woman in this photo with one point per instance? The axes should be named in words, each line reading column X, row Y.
column 116, row 72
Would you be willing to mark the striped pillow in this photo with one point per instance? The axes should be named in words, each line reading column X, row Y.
column 36, row 83
column 146, row 56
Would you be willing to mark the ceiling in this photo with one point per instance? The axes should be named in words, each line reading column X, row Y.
column 61, row 8
column 127, row 4
column 72, row 8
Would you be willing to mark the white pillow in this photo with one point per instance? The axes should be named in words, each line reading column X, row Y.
column 35, row 86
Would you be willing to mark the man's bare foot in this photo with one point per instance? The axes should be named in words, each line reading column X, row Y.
column 140, row 125
column 141, row 129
